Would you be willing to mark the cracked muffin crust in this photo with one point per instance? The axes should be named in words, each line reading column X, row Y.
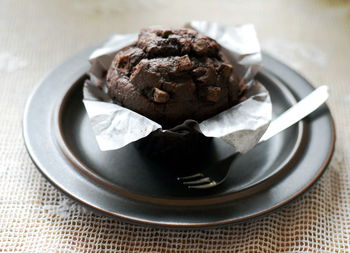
column 170, row 76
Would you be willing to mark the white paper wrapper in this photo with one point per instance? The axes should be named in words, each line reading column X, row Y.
column 241, row 126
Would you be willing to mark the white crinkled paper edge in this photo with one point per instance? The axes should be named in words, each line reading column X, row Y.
column 241, row 126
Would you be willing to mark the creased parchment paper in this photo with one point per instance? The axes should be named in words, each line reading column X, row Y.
column 241, row 125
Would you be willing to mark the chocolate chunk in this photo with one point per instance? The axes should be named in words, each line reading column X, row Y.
column 200, row 71
column 209, row 77
column 184, row 63
column 160, row 96
column 142, row 78
column 225, row 71
column 213, row 94
column 128, row 58
column 200, row 46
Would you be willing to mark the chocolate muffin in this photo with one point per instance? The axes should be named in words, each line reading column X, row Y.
column 170, row 76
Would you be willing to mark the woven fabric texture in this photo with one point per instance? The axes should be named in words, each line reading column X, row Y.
column 311, row 36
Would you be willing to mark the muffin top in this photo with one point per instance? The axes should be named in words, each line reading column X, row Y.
column 171, row 75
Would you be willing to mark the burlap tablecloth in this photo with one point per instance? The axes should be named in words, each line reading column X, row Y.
column 312, row 36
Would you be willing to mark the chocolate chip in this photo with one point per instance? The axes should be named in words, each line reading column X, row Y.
column 160, row 96
column 164, row 33
column 213, row 94
column 200, row 71
column 185, row 63
column 226, row 71
column 200, row 46
column 209, row 77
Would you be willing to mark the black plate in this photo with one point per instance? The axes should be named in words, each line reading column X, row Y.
column 126, row 184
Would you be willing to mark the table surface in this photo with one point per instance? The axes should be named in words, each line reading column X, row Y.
column 312, row 36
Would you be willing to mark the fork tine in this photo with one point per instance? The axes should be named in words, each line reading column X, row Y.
column 203, row 186
column 190, row 177
column 199, row 181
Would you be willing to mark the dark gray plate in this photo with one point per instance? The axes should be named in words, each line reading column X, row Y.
column 126, row 184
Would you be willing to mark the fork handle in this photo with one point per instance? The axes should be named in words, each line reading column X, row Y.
column 297, row 112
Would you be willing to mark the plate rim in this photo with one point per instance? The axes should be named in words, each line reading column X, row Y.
column 170, row 224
